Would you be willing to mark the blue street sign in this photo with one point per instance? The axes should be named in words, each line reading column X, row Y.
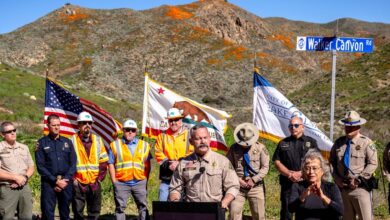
column 340, row 44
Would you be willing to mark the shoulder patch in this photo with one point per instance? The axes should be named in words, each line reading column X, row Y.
column 372, row 147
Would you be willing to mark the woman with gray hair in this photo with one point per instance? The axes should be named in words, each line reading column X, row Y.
column 315, row 197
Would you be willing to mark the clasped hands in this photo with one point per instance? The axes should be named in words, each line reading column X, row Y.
column 61, row 184
column 246, row 183
column 19, row 181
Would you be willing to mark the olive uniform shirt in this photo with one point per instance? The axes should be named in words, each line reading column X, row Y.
column 259, row 160
column 363, row 159
column 204, row 179
column 15, row 159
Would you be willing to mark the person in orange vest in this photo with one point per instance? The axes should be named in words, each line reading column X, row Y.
column 171, row 145
column 129, row 167
column 91, row 169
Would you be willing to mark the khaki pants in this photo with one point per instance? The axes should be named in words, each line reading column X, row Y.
column 256, row 203
column 357, row 202
column 13, row 199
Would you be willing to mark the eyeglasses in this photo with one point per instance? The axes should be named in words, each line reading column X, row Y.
column 9, row 132
column 86, row 122
column 174, row 120
column 314, row 169
column 133, row 130
column 294, row 126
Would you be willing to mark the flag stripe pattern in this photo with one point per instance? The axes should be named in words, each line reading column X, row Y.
column 67, row 106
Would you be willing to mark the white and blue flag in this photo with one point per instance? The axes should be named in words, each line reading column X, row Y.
column 272, row 112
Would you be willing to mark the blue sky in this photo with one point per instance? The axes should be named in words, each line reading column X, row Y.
column 16, row 13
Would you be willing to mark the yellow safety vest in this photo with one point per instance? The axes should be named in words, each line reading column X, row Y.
column 172, row 147
column 87, row 168
column 128, row 166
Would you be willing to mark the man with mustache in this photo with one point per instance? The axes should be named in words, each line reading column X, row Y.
column 204, row 176
column 92, row 161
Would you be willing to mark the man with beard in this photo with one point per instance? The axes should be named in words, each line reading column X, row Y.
column 204, row 176
column 91, row 169
column 354, row 160
column 56, row 163
column 171, row 145
column 288, row 158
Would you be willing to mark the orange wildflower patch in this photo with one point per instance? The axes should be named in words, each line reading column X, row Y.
column 76, row 15
column 237, row 53
column 87, row 62
column 212, row 61
column 284, row 39
column 357, row 55
column 326, row 66
column 261, row 55
column 227, row 42
column 177, row 13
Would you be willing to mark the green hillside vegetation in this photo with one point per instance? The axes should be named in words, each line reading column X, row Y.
column 16, row 88
column 363, row 85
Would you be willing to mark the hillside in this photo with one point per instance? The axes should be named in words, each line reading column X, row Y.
column 204, row 50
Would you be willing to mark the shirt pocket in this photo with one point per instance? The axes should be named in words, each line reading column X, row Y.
column 6, row 158
column 357, row 159
column 255, row 164
column 215, row 181
column 188, row 175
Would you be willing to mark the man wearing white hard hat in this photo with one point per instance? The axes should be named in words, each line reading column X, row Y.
column 171, row 146
column 354, row 160
column 250, row 160
column 129, row 167
column 91, row 169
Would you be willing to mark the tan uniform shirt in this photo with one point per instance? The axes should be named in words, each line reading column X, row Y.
column 363, row 159
column 259, row 160
column 204, row 180
column 15, row 159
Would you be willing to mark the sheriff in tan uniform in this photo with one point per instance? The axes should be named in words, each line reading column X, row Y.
column 250, row 160
column 354, row 160
column 204, row 176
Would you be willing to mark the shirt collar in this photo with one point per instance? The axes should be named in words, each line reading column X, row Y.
column 15, row 146
column 134, row 141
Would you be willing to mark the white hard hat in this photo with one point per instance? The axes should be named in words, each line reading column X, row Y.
column 84, row 116
column 130, row 124
column 174, row 113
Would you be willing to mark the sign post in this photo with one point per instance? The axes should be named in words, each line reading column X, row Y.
column 334, row 44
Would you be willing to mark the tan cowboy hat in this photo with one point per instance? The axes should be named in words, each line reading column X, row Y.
column 246, row 134
column 352, row 118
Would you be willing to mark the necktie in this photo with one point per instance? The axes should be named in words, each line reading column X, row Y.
column 346, row 154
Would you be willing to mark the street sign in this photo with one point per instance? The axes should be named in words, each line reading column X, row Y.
column 340, row 44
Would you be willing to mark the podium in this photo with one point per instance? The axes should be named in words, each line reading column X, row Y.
column 188, row 211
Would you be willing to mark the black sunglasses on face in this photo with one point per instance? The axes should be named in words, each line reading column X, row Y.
column 130, row 130
column 86, row 122
column 293, row 125
column 174, row 120
column 9, row 132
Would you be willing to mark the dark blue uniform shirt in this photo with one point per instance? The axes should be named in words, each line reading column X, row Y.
column 55, row 157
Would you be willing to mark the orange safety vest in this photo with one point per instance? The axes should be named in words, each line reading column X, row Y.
column 128, row 166
column 87, row 168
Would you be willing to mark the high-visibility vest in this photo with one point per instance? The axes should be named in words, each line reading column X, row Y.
column 128, row 166
column 87, row 168
column 172, row 147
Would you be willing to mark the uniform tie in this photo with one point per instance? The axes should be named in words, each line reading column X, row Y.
column 346, row 154
column 247, row 164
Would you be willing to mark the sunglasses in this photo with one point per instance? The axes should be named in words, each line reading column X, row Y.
column 174, row 120
column 294, row 126
column 133, row 130
column 9, row 132
column 86, row 122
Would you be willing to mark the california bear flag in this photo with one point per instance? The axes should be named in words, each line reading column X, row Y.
column 158, row 99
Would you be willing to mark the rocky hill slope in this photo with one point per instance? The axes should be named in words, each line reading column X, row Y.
column 204, row 50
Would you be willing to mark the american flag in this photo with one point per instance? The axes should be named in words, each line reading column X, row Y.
column 67, row 106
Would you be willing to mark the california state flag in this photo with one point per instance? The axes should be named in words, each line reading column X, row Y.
column 159, row 99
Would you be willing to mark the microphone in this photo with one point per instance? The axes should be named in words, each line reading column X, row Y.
column 202, row 169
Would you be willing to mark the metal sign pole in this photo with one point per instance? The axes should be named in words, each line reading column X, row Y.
column 332, row 101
